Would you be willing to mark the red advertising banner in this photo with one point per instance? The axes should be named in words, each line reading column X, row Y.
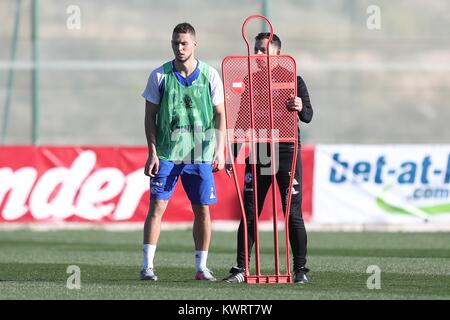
column 102, row 185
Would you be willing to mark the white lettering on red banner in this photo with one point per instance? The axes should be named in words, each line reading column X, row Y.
column 79, row 190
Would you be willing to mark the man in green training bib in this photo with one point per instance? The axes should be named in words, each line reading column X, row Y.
column 185, row 131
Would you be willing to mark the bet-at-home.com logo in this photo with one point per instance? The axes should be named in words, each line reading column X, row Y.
column 419, row 187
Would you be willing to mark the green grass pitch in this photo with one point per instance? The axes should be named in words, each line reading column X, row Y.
column 33, row 265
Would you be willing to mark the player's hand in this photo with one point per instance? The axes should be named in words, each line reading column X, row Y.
column 152, row 166
column 294, row 104
column 218, row 161
column 229, row 169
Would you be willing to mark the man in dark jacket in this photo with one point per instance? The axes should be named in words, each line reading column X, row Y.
column 297, row 232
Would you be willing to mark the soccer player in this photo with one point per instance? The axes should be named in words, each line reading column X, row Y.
column 185, row 131
column 297, row 232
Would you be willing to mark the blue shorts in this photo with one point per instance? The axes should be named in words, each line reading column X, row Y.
column 197, row 179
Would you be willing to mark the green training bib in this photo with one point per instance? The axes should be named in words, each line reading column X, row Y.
column 185, row 122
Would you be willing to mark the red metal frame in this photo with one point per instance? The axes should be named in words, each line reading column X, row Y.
column 277, row 277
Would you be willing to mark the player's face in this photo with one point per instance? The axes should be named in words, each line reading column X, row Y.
column 183, row 46
column 261, row 47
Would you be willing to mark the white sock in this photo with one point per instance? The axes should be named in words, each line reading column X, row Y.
column 200, row 260
column 149, row 255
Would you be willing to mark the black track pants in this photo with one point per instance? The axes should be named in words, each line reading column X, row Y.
column 297, row 231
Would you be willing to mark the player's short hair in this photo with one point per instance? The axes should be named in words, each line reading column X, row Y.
column 276, row 41
column 184, row 28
